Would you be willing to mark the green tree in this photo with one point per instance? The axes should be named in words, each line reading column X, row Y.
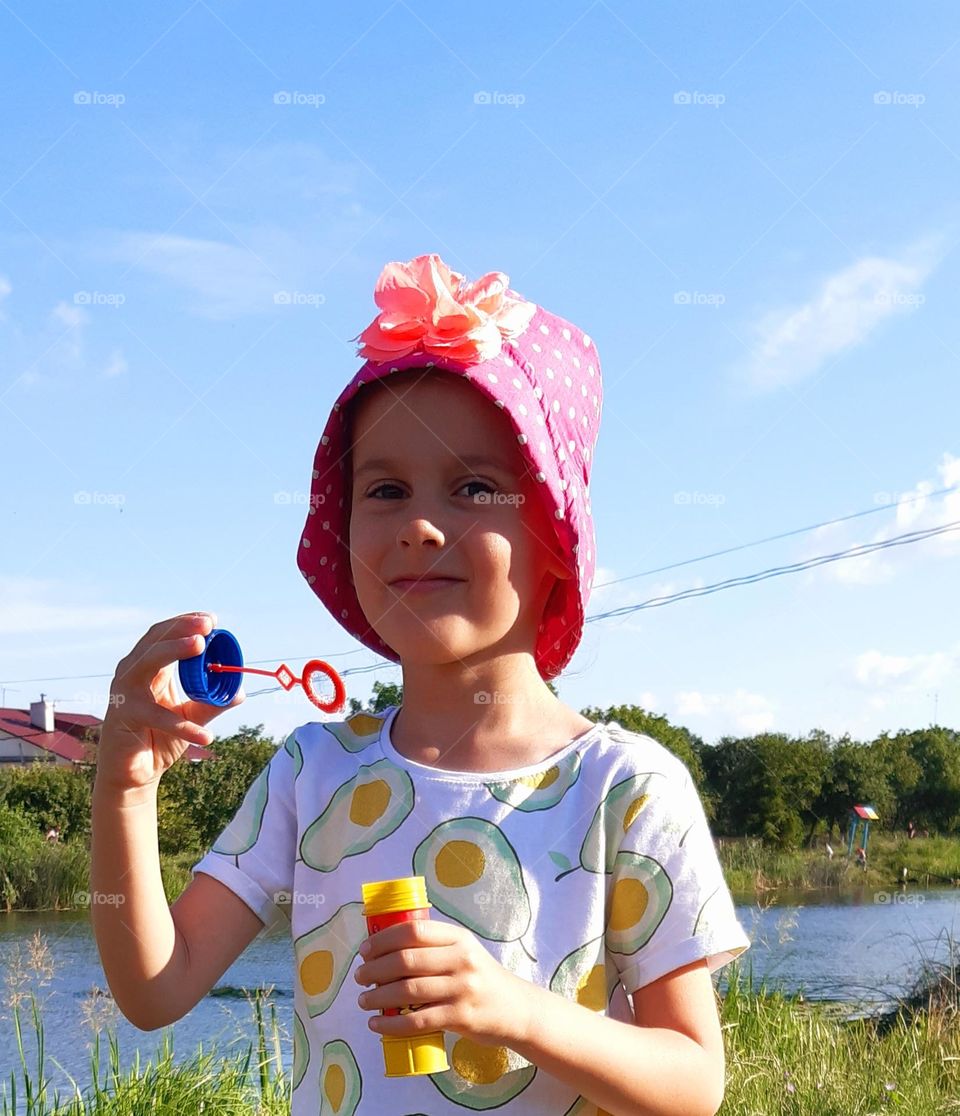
column 49, row 794
column 196, row 800
column 385, row 694
column 935, row 800
column 856, row 775
column 771, row 785
column 902, row 773
column 683, row 743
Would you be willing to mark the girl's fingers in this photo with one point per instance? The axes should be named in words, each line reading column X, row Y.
column 140, row 716
column 172, row 628
column 137, row 671
column 202, row 713
column 423, row 991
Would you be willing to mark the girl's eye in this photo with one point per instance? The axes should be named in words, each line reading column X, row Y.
column 482, row 484
column 467, row 484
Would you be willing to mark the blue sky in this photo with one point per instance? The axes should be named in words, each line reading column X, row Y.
column 752, row 210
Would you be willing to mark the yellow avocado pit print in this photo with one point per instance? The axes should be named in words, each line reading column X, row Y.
column 620, row 808
column 585, row 977
column 542, row 790
column 482, row 1077
column 340, row 1083
column 244, row 828
column 356, row 732
column 363, row 811
column 324, row 956
column 301, row 1050
column 473, row 875
column 638, row 898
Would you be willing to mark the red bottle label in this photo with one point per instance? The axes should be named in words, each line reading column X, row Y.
column 381, row 922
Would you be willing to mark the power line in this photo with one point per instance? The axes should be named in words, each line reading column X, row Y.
column 779, row 571
column 775, row 538
column 653, row 602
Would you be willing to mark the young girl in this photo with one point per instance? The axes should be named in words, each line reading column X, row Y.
column 578, row 905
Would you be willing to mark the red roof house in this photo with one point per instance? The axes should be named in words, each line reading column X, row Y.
column 42, row 734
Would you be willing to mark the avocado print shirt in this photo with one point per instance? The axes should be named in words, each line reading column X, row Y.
column 590, row 873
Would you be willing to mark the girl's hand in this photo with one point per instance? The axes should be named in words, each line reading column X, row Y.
column 445, row 968
column 146, row 729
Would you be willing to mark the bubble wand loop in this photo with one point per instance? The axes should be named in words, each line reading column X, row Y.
column 214, row 676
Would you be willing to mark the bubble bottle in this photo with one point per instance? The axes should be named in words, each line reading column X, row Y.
column 386, row 902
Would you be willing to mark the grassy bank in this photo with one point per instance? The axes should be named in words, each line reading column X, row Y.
column 748, row 865
column 37, row 875
column 55, row 876
column 785, row 1057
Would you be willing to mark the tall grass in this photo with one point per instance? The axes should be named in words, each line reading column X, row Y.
column 749, row 865
column 785, row 1057
column 251, row 1082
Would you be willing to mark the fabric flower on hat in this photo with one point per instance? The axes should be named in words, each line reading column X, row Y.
column 427, row 307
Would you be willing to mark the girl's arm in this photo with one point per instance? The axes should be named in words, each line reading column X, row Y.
column 159, row 961
column 671, row 1066
column 670, row 1062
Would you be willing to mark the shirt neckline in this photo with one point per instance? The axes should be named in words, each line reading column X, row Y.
column 446, row 774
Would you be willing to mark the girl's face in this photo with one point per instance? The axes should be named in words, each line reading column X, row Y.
column 439, row 486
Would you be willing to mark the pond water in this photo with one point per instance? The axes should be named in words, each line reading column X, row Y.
column 863, row 947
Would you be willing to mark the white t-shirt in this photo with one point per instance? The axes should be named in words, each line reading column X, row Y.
column 590, row 873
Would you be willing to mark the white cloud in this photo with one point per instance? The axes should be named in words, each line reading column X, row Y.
column 5, row 289
column 29, row 605
column 905, row 674
column 70, row 316
column 916, row 510
column 59, row 348
column 227, row 279
column 740, row 712
column 792, row 343
column 117, row 364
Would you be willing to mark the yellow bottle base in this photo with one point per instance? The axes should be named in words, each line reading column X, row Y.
column 404, row 1057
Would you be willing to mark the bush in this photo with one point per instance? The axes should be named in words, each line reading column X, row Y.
column 47, row 795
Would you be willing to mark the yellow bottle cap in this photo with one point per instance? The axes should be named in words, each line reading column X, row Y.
column 384, row 896
column 404, row 1057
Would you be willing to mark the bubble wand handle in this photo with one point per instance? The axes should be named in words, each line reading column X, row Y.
column 288, row 680
column 213, row 676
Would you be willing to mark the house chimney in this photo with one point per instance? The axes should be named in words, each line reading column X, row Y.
column 41, row 714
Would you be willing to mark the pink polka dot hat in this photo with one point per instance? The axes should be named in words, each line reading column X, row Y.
column 541, row 370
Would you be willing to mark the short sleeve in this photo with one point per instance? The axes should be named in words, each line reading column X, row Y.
column 254, row 854
column 668, row 903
